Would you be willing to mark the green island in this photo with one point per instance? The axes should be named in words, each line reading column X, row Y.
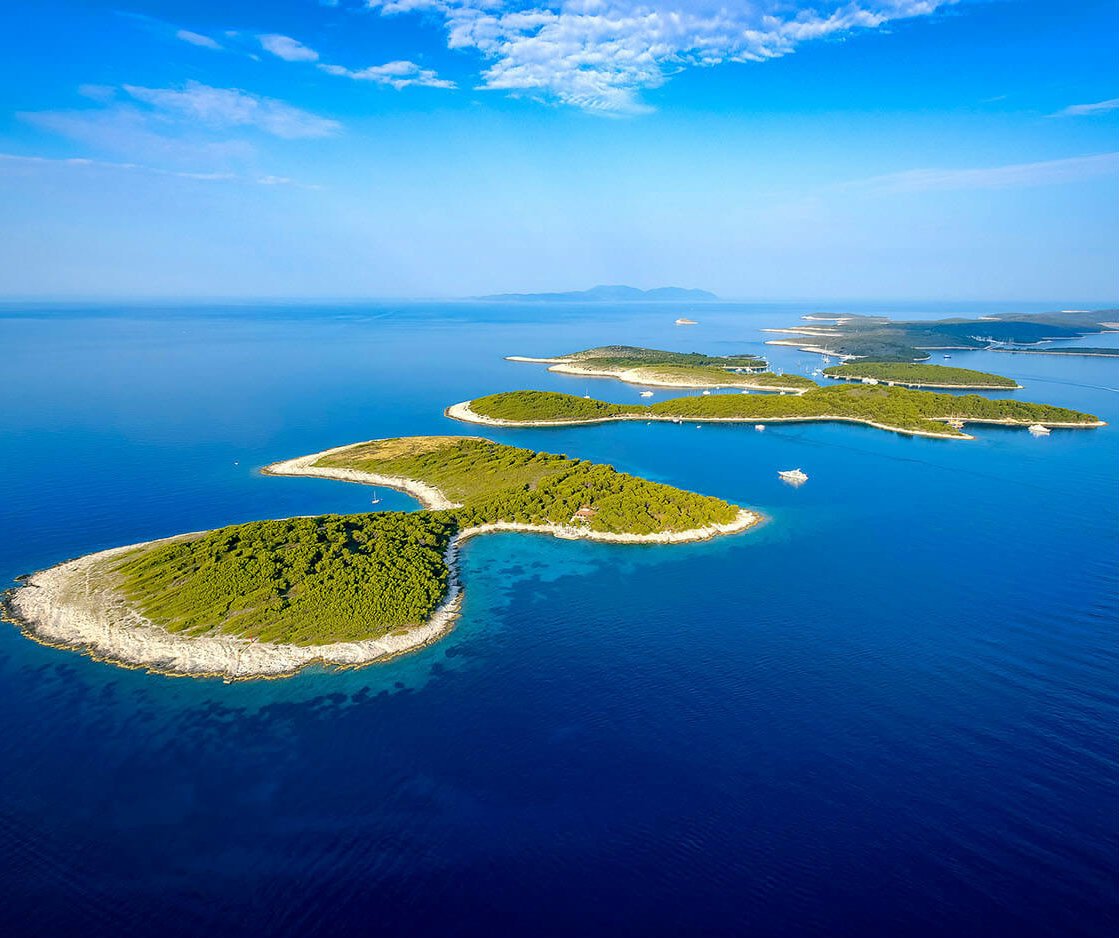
column 1082, row 351
column 658, row 368
column 266, row 598
column 923, row 413
column 919, row 375
column 885, row 340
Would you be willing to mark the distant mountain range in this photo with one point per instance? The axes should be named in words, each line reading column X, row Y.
column 612, row 294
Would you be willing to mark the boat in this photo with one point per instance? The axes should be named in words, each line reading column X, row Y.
column 793, row 476
column 955, row 423
column 1038, row 429
column 947, row 356
column 759, row 427
column 375, row 500
column 684, row 321
column 646, row 393
column 706, row 392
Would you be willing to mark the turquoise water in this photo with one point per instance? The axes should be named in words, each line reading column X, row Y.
column 891, row 710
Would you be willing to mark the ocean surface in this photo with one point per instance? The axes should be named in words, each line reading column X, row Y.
column 892, row 710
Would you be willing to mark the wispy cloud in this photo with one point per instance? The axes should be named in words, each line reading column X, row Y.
column 231, row 107
column 79, row 162
column 1087, row 110
column 286, row 48
column 600, row 55
column 394, row 74
column 1015, row 175
column 197, row 39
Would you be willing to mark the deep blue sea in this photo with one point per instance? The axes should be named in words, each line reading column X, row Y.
column 892, row 710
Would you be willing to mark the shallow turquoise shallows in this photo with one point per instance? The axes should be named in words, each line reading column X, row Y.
column 891, row 710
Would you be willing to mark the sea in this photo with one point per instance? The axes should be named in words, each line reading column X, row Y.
column 890, row 710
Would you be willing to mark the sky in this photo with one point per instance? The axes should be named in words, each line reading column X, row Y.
column 769, row 150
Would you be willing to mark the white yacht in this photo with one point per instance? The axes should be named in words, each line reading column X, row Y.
column 1038, row 429
column 793, row 476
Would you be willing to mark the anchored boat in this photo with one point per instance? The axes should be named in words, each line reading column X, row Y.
column 793, row 476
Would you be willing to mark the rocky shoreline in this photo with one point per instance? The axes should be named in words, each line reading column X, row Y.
column 76, row 604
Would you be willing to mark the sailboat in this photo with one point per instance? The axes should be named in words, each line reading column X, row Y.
column 375, row 500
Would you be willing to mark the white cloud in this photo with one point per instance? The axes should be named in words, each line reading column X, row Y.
column 601, row 54
column 1015, row 175
column 102, row 93
column 395, row 74
column 231, row 107
column 81, row 162
column 1087, row 110
column 104, row 164
column 197, row 39
column 288, row 49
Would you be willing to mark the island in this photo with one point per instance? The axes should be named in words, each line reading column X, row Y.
column 918, row 413
column 1080, row 351
column 914, row 375
column 268, row 598
column 658, row 368
column 881, row 339
column 609, row 294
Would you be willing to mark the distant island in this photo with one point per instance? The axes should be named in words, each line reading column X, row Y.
column 267, row 598
column 919, row 413
column 609, row 294
column 913, row 375
column 880, row 339
column 657, row 368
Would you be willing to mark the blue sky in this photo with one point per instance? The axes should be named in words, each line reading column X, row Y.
column 877, row 149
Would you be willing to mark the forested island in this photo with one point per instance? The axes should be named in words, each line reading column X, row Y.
column 267, row 598
column 880, row 339
column 914, row 375
column 658, row 368
column 921, row 413
column 1082, row 351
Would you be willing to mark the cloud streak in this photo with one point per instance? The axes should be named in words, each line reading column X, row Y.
column 197, row 39
column 397, row 75
column 1088, row 110
column 1012, row 176
column 231, row 107
column 600, row 55
column 286, row 48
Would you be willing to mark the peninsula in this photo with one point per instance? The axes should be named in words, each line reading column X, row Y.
column 267, row 598
column 911, row 375
column 657, row 368
column 880, row 339
column 919, row 413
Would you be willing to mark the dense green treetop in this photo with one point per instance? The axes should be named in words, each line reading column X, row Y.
column 302, row 581
column 494, row 482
